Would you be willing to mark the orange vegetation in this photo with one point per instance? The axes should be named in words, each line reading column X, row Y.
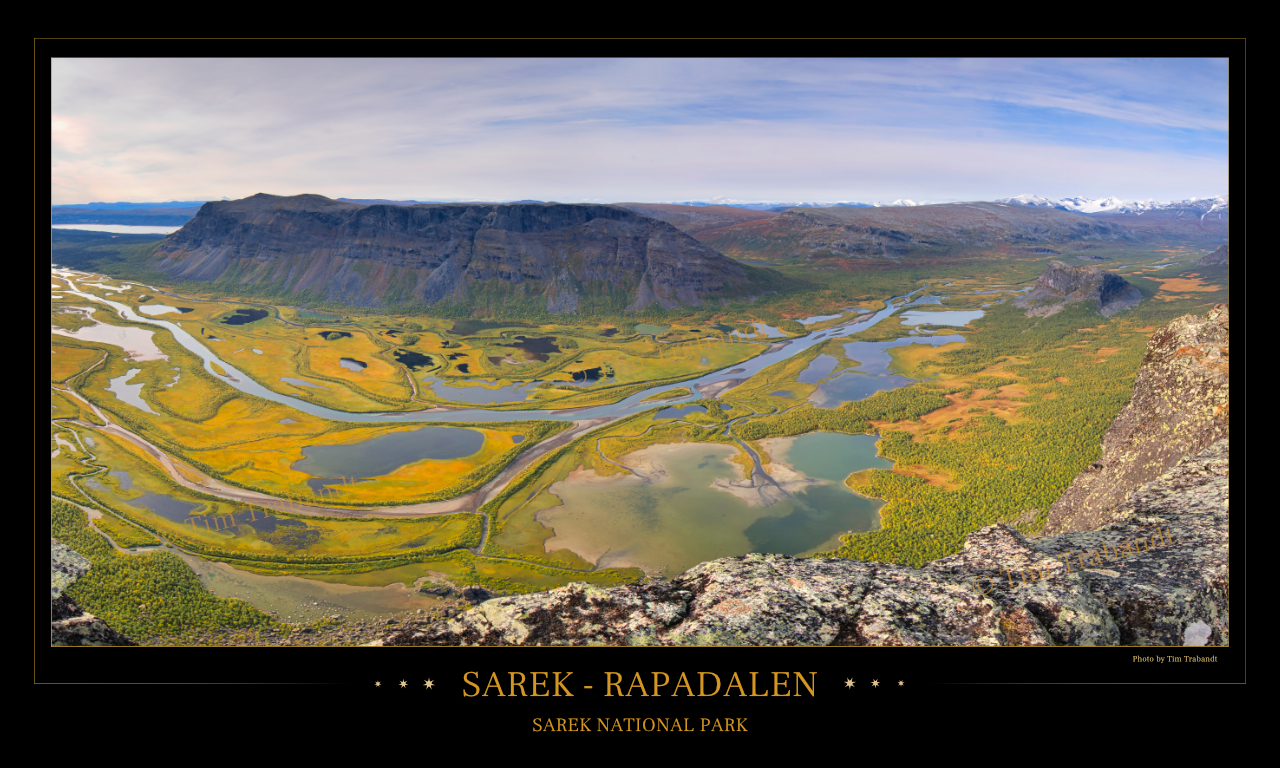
column 940, row 479
column 1185, row 284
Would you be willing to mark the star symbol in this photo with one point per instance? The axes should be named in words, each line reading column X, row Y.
column 899, row 682
column 403, row 684
column 377, row 684
column 429, row 684
column 875, row 683
column 848, row 683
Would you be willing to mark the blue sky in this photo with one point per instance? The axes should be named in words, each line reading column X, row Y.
column 644, row 130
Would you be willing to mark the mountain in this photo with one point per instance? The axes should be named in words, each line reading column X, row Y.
column 379, row 255
column 693, row 219
column 1218, row 257
column 1061, row 284
column 129, row 206
column 1204, row 220
column 894, row 232
column 1179, row 406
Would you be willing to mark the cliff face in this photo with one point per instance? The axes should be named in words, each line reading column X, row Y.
column 1061, row 284
column 1179, row 407
column 1090, row 592
column 379, row 254
column 1213, row 259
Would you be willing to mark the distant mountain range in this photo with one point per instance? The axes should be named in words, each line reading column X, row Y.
column 1200, row 206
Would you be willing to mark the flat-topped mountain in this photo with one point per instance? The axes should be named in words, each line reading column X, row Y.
column 897, row 231
column 1061, row 284
column 377, row 255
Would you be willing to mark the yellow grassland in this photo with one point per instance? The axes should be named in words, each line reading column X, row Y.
column 65, row 362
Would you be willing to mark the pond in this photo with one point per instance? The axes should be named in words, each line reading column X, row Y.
column 130, row 393
column 413, row 360
column 679, row 411
column 351, row 364
column 472, row 327
column 685, row 510
column 245, row 316
column 651, row 328
column 948, row 317
column 333, row 335
column 478, row 395
column 386, row 453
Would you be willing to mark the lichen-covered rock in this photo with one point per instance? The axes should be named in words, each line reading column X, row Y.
column 66, row 565
column 1061, row 284
column 1089, row 588
column 1179, row 407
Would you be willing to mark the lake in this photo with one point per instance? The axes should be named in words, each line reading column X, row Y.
column 121, row 229
column 384, row 454
column 678, row 518
column 946, row 317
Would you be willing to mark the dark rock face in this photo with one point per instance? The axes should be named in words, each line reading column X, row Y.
column 379, row 254
column 1213, row 259
column 1061, row 284
column 1179, row 407
column 72, row 626
column 1093, row 588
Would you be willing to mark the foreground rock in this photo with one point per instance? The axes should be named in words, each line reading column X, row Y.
column 72, row 626
column 1088, row 593
column 1179, row 407
column 1061, row 284
column 69, row 625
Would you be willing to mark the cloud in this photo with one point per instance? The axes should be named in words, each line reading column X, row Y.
column 637, row 129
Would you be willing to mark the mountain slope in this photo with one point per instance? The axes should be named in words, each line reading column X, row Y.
column 378, row 255
column 894, row 232
column 697, row 218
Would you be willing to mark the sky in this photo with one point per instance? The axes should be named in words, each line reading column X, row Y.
column 638, row 130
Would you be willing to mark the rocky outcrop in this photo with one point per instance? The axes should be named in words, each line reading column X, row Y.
column 72, row 626
column 1061, row 284
column 1179, row 407
column 69, row 624
column 1218, row 257
column 377, row 255
column 1003, row 589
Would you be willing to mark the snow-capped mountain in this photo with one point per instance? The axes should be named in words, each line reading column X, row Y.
column 1198, row 205
column 765, row 206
